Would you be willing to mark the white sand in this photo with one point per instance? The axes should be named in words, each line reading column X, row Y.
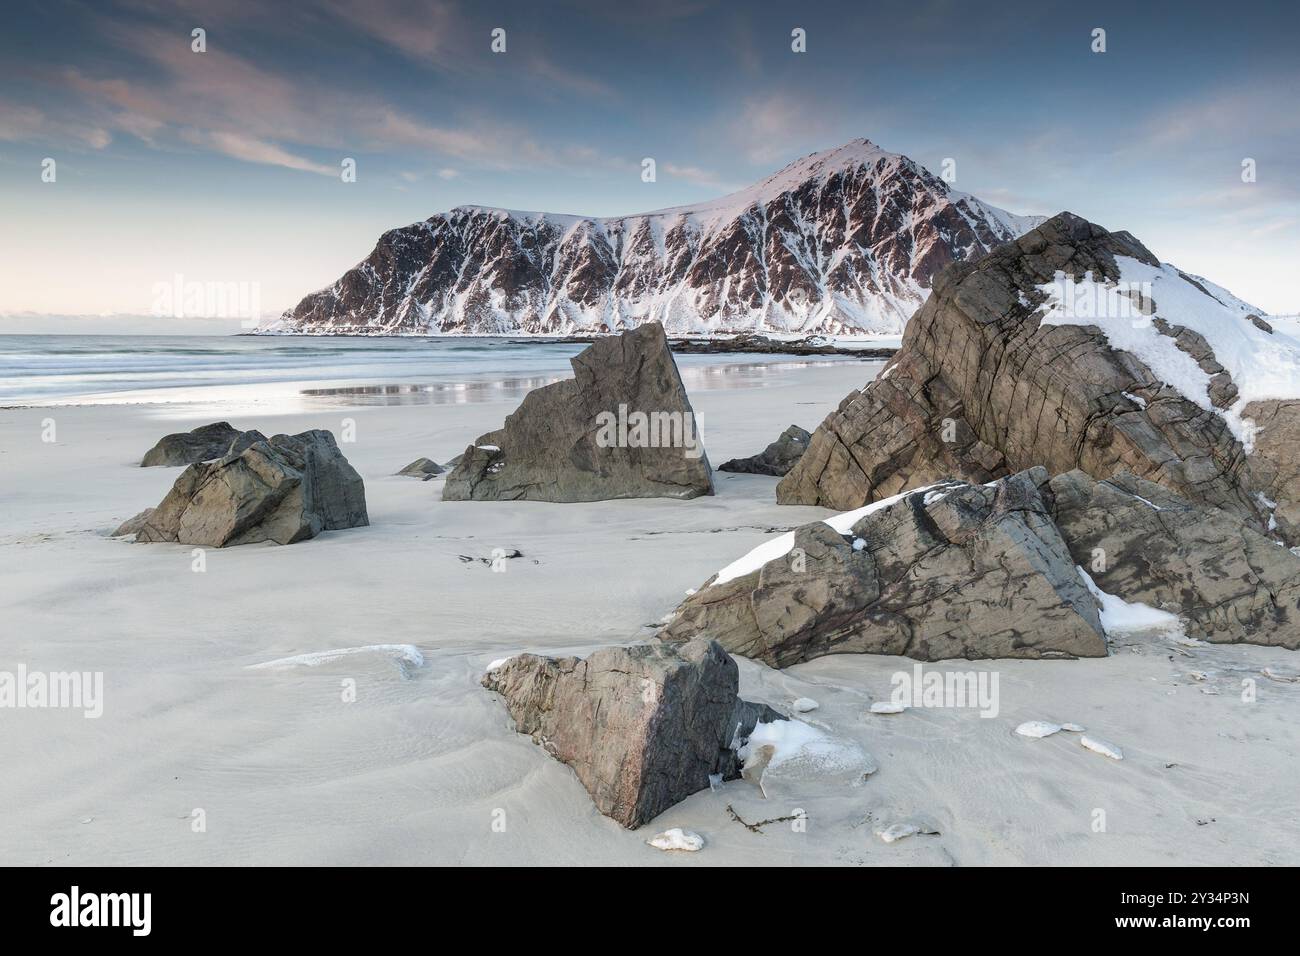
column 423, row 766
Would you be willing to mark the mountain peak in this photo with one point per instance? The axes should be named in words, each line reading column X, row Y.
column 841, row 241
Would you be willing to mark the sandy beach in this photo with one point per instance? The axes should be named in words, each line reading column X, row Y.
column 422, row 767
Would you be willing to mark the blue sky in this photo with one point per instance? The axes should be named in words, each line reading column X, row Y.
column 224, row 166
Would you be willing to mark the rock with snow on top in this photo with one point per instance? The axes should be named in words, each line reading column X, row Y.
column 1074, row 348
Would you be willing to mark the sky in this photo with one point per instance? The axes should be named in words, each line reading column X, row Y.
column 223, row 167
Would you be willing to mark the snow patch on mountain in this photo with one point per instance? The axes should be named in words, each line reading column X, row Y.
column 841, row 242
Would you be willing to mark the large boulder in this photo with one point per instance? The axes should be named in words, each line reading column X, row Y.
column 998, row 570
column 1140, row 541
column 285, row 489
column 202, row 444
column 776, row 459
column 643, row 727
column 954, row 570
column 1073, row 347
column 622, row 427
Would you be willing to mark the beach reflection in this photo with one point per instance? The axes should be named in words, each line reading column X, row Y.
column 701, row 376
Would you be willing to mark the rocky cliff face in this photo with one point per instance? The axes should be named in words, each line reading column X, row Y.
column 842, row 241
column 1073, row 347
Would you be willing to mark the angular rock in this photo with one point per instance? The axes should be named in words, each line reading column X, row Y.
column 132, row 525
column 957, row 570
column 202, row 444
column 776, row 459
column 285, row 489
column 622, row 427
column 422, row 468
column 985, row 385
column 1143, row 543
column 643, row 727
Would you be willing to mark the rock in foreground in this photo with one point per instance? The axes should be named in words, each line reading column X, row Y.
column 1074, row 347
column 202, row 444
column 643, row 727
column 776, row 459
column 285, row 489
column 955, row 570
column 622, row 427
column 973, row 571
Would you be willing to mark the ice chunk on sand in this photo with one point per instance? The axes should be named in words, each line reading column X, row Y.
column 1074, row 728
column 887, row 707
column 1101, row 746
column 405, row 653
column 678, row 839
column 906, row 829
column 804, row 704
column 795, row 742
column 1037, row 728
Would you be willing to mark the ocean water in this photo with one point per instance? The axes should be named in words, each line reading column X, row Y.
column 238, row 370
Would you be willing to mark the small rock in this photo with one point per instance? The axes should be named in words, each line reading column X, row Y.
column 678, row 839
column 423, row 468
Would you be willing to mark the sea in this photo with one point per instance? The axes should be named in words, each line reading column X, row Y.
column 298, row 373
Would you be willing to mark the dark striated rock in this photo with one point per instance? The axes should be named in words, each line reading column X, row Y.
column 643, row 727
column 202, row 444
column 776, row 459
column 958, row 570
column 566, row 442
column 846, row 240
column 285, row 489
column 1142, row 542
column 422, row 468
column 982, row 388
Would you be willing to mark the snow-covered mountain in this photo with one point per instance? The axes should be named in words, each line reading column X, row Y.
column 843, row 241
